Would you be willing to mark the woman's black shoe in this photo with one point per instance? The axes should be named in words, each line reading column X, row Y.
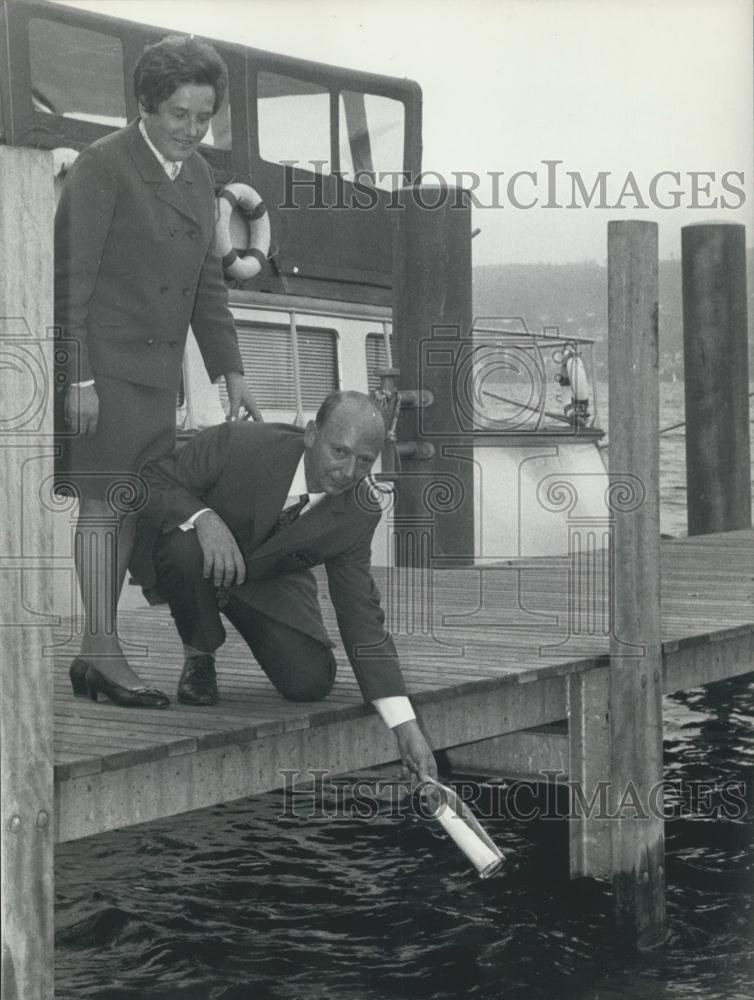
column 86, row 680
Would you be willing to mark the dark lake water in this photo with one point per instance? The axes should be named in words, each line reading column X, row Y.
column 264, row 899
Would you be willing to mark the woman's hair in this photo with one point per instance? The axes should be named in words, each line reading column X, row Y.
column 174, row 61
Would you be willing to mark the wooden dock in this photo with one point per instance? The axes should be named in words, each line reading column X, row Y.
column 555, row 664
column 499, row 653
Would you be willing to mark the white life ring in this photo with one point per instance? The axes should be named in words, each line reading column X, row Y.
column 241, row 200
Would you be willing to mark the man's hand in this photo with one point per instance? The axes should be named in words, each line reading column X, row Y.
column 240, row 395
column 223, row 560
column 81, row 408
column 416, row 754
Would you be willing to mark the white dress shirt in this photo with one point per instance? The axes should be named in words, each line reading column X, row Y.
column 171, row 167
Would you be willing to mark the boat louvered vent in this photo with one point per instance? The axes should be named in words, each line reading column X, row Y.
column 376, row 358
column 267, row 355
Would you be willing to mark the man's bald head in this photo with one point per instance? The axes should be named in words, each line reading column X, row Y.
column 342, row 442
column 361, row 406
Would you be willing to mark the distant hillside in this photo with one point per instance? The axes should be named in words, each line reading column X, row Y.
column 574, row 298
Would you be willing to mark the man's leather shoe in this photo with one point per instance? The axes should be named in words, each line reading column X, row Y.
column 198, row 683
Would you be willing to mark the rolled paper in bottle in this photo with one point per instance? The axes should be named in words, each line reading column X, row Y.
column 465, row 830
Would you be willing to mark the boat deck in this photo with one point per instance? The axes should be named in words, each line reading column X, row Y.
column 485, row 651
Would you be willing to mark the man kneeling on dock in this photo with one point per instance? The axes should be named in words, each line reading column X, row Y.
column 234, row 521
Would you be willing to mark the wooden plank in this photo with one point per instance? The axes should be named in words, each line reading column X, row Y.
column 158, row 728
column 93, row 803
column 26, row 783
column 635, row 688
column 495, row 665
column 715, row 658
column 537, row 754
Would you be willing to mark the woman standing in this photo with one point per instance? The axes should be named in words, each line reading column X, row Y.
column 133, row 267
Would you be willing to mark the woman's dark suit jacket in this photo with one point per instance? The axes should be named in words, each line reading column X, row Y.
column 134, row 266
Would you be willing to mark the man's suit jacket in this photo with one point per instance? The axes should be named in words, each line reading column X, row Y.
column 134, row 266
column 243, row 471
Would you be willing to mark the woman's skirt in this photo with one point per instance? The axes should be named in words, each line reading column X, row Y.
column 136, row 424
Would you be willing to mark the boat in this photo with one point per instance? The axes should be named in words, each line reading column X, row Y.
column 328, row 150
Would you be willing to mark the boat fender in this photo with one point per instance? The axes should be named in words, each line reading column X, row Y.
column 573, row 373
column 576, row 374
column 246, row 263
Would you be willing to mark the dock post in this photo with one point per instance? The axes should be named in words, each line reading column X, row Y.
column 716, row 369
column 589, row 831
column 635, row 684
column 26, row 758
column 432, row 330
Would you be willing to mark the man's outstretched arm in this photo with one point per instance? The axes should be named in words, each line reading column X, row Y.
column 372, row 653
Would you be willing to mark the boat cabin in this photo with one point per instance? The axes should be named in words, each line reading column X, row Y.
column 326, row 149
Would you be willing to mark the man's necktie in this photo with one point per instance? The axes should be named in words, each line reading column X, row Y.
column 289, row 515
column 285, row 517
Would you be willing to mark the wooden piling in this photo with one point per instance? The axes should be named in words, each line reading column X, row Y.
column 26, row 764
column 432, row 332
column 589, row 747
column 716, row 369
column 635, row 684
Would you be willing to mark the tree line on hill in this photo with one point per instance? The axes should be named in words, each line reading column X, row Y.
column 573, row 297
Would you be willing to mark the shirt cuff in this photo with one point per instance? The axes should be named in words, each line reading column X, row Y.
column 394, row 710
column 83, row 385
column 189, row 525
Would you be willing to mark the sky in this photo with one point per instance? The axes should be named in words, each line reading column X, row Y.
column 569, row 112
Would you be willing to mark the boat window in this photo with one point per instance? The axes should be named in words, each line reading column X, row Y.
column 268, row 360
column 76, row 73
column 293, row 122
column 371, row 138
column 376, row 358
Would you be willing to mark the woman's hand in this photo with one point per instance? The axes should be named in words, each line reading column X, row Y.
column 240, row 395
column 81, row 409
